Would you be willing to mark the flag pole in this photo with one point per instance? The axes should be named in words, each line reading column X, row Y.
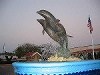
column 91, row 29
column 4, row 50
column 92, row 46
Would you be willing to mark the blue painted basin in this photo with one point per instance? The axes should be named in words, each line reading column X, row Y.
column 89, row 67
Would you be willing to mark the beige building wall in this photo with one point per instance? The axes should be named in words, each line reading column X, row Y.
column 84, row 48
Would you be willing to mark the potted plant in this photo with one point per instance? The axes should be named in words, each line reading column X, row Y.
column 58, row 64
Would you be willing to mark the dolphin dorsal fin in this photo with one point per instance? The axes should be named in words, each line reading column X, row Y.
column 57, row 20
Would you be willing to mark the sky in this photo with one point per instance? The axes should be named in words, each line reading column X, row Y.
column 18, row 21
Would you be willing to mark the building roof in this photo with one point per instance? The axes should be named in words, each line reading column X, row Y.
column 87, row 51
column 82, row 48
column 32, row 53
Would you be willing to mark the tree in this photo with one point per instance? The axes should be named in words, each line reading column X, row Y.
column 25, row 48
column 8, row 58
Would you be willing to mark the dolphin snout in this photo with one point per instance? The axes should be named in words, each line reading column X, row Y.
column 38, row 20
column 41, row 12
column 37, row 12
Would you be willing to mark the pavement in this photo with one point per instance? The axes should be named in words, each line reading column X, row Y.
column 6, row 69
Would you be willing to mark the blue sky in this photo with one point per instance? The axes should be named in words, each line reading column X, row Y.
column 18, row 22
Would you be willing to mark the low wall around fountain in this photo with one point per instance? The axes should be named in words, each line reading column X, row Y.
column 89, row 67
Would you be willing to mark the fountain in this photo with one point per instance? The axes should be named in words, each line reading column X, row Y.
column 53, row 66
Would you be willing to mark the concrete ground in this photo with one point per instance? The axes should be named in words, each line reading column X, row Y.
column 6, row 69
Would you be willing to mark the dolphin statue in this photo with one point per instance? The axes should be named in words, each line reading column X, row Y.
column 54, row 29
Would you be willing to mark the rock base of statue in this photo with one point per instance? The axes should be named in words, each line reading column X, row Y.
column 89, row 67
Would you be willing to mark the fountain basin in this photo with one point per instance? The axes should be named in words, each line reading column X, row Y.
column 89, row 67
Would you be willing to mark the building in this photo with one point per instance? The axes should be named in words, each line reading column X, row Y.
column 76, row 49
column 33, row 56
column 86, row 51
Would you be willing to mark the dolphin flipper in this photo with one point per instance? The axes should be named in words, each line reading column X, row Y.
column 43, row 31
column 43, row 23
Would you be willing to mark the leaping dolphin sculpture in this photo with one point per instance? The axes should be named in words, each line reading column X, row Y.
column 54, row 29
